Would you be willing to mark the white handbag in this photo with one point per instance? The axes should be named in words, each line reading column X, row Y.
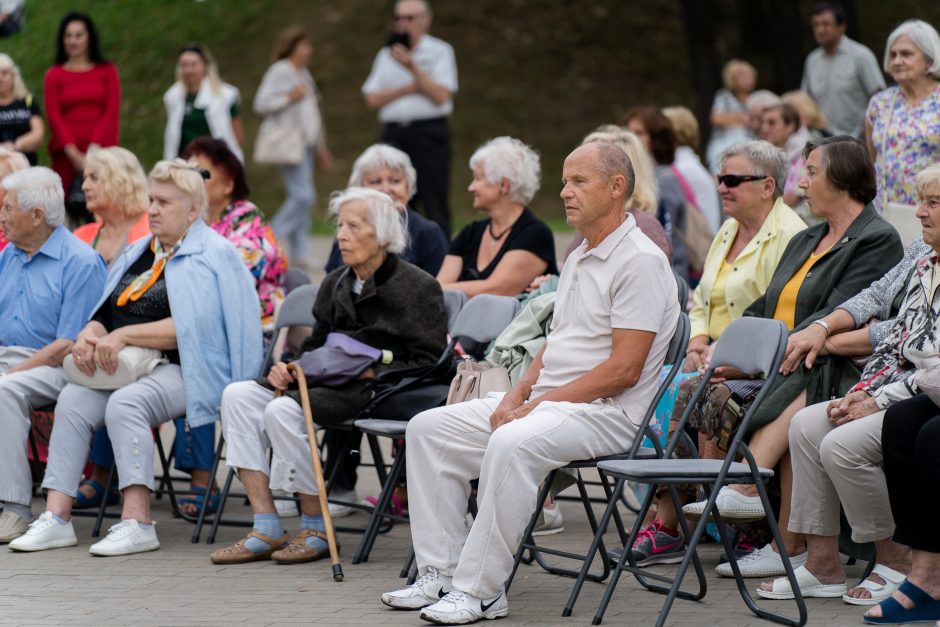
column 133, row 363
column 474, row 380
column 278, row 143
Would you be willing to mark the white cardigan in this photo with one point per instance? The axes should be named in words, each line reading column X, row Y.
column 272, row 99
column 218, row 114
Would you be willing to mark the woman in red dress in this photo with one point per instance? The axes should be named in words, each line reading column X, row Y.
column 83, row 100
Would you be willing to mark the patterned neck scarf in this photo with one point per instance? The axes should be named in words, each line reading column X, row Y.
column 139, row 286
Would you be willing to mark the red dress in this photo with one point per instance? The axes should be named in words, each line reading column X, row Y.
column 83, row 108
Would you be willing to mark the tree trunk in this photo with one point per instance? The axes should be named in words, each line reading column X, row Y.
column 698, row 17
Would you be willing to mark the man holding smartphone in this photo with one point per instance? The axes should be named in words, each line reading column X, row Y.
column 412, row 83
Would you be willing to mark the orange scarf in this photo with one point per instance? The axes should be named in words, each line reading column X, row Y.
column 139, row 286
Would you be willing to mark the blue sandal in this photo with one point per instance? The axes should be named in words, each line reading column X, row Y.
column 87, row 502
column 199, row 497
column 926, row 609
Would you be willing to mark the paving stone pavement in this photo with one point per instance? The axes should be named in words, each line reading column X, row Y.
column 178, row 586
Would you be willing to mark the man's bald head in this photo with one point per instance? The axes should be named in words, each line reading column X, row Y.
column 611, row 160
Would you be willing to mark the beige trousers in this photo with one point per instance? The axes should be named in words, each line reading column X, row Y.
column 833, row 465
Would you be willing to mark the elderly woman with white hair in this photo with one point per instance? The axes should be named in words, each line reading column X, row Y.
column 902, row 123
column 183, row 291
column 504, row 252
column 377, row 299
column 389, row 170
column 21, row 127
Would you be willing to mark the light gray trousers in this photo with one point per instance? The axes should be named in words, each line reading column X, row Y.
column 130, row 414
column 838, row 465
column 449, row 446
column 20, row 393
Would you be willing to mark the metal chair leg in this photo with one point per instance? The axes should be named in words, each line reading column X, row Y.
column 200, row 521
column 381, row 507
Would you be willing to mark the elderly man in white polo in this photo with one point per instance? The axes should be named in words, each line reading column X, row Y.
column 583, row 396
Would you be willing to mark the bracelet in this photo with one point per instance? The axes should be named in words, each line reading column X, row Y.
column 824, row 325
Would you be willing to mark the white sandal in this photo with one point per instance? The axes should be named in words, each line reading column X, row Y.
column 879, row 592
column 809, row 587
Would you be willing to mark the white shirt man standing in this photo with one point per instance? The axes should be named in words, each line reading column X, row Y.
column 842, row 74
column 583, row 396
column 412, row 84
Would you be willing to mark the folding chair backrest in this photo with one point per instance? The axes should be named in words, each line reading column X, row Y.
column 683, row 289
column 454, row 300
column 297, row 308
column 484, row 317
column 674, row 356
column 295, row 277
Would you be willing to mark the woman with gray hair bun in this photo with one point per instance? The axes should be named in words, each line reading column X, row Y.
column 902, row 123
column 377, row 299
column 389, row 170
column 503, row 253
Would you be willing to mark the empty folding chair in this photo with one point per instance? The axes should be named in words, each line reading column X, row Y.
column 756, row 347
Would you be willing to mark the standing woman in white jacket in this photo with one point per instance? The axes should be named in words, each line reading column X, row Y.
column 199, row 104
column 287, row 91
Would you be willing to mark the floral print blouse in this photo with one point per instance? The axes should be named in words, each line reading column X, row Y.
column 906, row 139
column 243, row 224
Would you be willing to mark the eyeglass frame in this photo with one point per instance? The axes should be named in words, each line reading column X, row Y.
column 733, row 180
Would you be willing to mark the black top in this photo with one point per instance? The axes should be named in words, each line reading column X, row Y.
column 426, row 247
column 14, row 121
column 153, row 305
column 527, row 233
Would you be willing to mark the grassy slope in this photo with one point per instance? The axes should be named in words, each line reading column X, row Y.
column 546, row 71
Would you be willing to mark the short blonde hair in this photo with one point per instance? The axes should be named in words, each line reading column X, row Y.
column 385, row 215
column 808, row 108
column 733, row 68
column 930, row 175
column 186, row 176
column 16, row 161
column 645, row 197
column 684, row 124
column 122, row 179
column 19, row 87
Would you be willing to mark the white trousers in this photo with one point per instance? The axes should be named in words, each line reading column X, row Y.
column 449, row 446
column 130, row 413
column 20, row 393
column 253, row 421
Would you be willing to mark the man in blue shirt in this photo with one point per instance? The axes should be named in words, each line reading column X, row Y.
column 49, row 282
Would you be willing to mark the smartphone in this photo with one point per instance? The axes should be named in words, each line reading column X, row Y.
column 398, row 38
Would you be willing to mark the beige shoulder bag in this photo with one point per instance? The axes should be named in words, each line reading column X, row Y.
column 474, row 380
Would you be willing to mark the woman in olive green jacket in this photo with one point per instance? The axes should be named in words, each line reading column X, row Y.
column 821, row 268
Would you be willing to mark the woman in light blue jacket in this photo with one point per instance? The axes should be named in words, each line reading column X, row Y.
column 186, row 292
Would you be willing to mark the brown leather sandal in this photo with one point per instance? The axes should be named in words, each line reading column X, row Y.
column 239, row 554
column 299, row 552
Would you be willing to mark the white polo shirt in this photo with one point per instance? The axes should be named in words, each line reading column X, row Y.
column 623, row 283
column 436, row 58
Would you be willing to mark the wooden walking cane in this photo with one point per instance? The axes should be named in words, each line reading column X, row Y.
column 298, row 373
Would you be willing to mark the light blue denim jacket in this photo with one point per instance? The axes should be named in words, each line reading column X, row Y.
column 216, row 314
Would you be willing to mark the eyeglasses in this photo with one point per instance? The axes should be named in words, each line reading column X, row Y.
column 733, row 180
column 408, row 18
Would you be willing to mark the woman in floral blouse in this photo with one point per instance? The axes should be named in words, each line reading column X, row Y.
column 239, row 221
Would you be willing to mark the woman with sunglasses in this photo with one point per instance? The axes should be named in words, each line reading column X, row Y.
column 820, row 269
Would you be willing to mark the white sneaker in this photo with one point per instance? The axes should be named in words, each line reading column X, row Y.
column 552, row 522
column 341, row 511
column 286, row 508
column 460, row 608
column 764, row 562
column 12, row 526
column 731, row 504
column 45, row 533
column 429, row 588
column 126, row 538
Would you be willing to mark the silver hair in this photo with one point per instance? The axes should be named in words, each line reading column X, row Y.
column 386, row 216
column 761, row 99
column 384, row 156
column 926, row 39
column 766, row 160
column 38, row 188
column 508, row 158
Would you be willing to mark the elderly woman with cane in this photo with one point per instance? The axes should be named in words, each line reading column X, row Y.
column 377, row 300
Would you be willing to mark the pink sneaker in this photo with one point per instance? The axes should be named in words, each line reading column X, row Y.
column 396, row 507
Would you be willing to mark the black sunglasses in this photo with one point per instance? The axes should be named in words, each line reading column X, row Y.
column 733, row 180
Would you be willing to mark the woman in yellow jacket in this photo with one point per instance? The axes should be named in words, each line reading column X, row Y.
column 738, row 268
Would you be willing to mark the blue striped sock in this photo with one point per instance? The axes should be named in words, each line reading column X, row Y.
column 316, row 523
column 269, row 525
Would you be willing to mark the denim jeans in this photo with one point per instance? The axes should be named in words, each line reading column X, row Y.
column 291, row 223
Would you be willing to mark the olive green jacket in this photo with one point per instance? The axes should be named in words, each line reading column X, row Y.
column 869, row 248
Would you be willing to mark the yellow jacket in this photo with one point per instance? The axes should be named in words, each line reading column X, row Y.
column 751, row 272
